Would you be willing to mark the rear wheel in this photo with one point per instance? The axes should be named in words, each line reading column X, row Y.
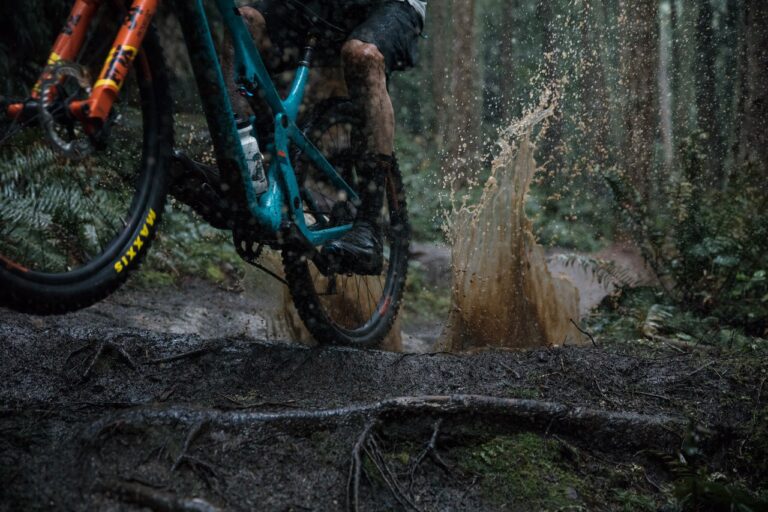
column 72, row 229
column 346, row 309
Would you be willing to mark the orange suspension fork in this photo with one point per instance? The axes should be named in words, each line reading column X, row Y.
column 112, row 77
column 72, row 36
column 95, row 110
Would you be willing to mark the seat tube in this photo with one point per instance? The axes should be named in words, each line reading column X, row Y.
column 71, row 38
column 120, row 59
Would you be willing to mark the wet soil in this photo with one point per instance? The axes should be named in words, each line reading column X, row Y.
column 206, row 414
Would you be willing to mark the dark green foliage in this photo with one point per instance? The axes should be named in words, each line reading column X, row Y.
column 23, row 52
column 604, row 271
column 709, row 246
column 187, row 247
column 45, row 193
column 697, row 488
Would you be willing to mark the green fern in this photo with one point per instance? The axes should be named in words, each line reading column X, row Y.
column 54, row 212
column 655, row 319
column 605, row 272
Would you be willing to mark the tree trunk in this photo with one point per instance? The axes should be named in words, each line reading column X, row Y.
column 439, row 29
column 507, row 60
column 706, row 96
column 683, row 30
column 594, row 87
column 549, row 145
column 665, row 94
column 753, row 145
column 639, row 63
column 464, row 121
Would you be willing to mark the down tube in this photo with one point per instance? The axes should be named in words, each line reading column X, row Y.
column 218, row 111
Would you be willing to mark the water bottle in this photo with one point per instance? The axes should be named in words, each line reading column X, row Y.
column 253, row 157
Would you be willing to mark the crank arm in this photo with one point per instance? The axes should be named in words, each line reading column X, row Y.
column 26, row 111
column 21, row 111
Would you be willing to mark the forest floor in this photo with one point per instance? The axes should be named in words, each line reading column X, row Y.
column 173, row 399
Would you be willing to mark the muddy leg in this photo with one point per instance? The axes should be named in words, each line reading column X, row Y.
column 365, row 73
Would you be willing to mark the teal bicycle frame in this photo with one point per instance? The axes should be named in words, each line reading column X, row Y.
column 281, row 204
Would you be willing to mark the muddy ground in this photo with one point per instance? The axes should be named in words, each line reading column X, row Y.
column 202, row 414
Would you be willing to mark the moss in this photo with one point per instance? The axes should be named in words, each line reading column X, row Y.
column 630, row 501
column 524, row 468
column 529, row 472
column 526, row 393
column 215, row 274
column 152, row 278
column 701, row 493
column 403, row 457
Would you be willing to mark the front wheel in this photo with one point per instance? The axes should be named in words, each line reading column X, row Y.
column 71, row 230
column 346, row 309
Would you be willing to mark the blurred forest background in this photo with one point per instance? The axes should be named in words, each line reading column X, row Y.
column 659, row 137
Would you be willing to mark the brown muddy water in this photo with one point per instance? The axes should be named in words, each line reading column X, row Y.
column 503, row 294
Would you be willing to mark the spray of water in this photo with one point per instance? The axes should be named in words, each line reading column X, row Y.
column 503, row 295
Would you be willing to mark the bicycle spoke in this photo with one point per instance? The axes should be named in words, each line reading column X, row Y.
column 370, row 295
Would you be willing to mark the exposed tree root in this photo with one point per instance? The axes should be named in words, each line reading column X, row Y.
column 155, row 499
column 100, row 347
column 429, row 451
column 356, row 467
column 193, row 432
column 612, row 430
column 203, row 468
column 209, row 347
column 367, row 444
column 375, row 455
column 606, row 429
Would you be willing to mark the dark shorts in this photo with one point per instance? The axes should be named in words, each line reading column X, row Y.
column 394, row 27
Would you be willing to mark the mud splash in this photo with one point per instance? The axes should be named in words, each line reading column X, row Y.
column 282, row 320
column 503, row 295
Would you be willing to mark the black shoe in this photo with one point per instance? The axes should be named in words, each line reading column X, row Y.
column 359, row 251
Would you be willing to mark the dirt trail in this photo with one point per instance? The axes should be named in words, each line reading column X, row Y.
column 176, row 428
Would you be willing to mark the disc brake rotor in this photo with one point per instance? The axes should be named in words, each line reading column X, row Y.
column 53, row 116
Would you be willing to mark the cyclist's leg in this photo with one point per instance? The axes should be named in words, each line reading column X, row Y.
column 365, row 73
column 384, row 42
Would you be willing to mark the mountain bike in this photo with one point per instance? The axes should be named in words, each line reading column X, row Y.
column 86, row 165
